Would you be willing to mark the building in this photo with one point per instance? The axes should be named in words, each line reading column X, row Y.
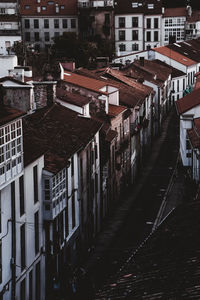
column 137, row 26
column 10, row 30
column 46, row 20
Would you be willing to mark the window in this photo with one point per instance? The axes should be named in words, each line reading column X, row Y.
column 121, row 22
column 134, row 35
column 107, row 18
column 56, row 23
column 27, row 23
column 66, row 222
column 134, row 4
column 177, row 85
column 150, row 6
column 64, row 23
column 62, row 7
column 23, row 289
column 56, row 34
column 73, row 23
column 155, row 36
column 121, row 35
column 37, row 281
column 21, row 194
column 46, row 36
column 46, row 23
column 148, row 36
column 27, row 36
column 37, row 36
column 155, row 22
column 72, row 166
column 2, row 10
column 36, row 226
column 135, row 22
column 0, row 216
column 73, row 211
column 122, row 47
column 23, row 247
column 35, row 183
column 96, row 183
column 183, row 83
column 26, row 6
column 36, row 23
column 31, row 285
column 148, row 23
column 135, row 47
column 44, row 8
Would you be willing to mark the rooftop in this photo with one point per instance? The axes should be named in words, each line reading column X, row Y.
column 187, row 49
column 57, row 132
column 174, row 55
column 48, row 8
column 115, row 110
column 8, row 114
column 148, row 7
column 86, row 82
column 128, row 96
column 72, row 98
column 167, row 266
column 188, row 102
column 194, row 133
column 175, row 12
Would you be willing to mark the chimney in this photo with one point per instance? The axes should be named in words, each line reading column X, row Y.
column 44, row 93
column 189, row 10
column 57, row 8
column 142, row 61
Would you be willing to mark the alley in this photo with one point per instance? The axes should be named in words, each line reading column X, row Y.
column 134, row 219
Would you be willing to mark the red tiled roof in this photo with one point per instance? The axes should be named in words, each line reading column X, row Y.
column 188, row 102
column 195, row 17
column 175, row 12
column 128, row 95
column 8, row 114
column 69, row 8
column 175, row 56
column 73, row 98
column 57, row 132
column 115, row 110
column 85, row 82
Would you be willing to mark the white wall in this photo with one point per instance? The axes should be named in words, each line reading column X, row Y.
column 7, row 62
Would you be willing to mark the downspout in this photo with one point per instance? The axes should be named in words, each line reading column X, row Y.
column 13, row 259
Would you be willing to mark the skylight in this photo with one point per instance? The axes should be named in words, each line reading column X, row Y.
column 177, row 45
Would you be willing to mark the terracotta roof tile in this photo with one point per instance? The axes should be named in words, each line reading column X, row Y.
column 188, row 102
column 175, row 56
column 85, row 82
column 73, row 98
column 175, row 12
column 69, row 8
column 58, row 133
column 115, row 110
column 128, row 95
column 8, row 114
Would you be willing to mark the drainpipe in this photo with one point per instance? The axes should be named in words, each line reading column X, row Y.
column 13, row 259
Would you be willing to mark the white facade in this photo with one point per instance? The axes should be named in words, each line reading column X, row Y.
column 7, row 62
column 9, row 26
column 186, row 121
column 173, row 26
column 178, row 87
column 42, row 30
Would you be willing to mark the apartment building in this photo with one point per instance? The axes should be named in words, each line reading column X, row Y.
column 42, row 21
column 137, row 26
column 10, row 30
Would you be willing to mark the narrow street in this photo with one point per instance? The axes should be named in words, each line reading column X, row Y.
column 135, row 219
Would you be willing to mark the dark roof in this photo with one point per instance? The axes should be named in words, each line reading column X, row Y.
column 195, row 17
column 8, row 114
column 186, row 49
column 128, row 96
column 126, row 7
column 70, row 8
column 188, row 102
column 167, row 266
column 175, row 12
column 57, row 132
column 115, row 110
column 174, row 72
column 150, row 70
column 73, row 98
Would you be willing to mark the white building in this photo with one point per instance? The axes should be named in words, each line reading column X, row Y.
column 137, row 26
column 9, row 26
column 43, row 21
